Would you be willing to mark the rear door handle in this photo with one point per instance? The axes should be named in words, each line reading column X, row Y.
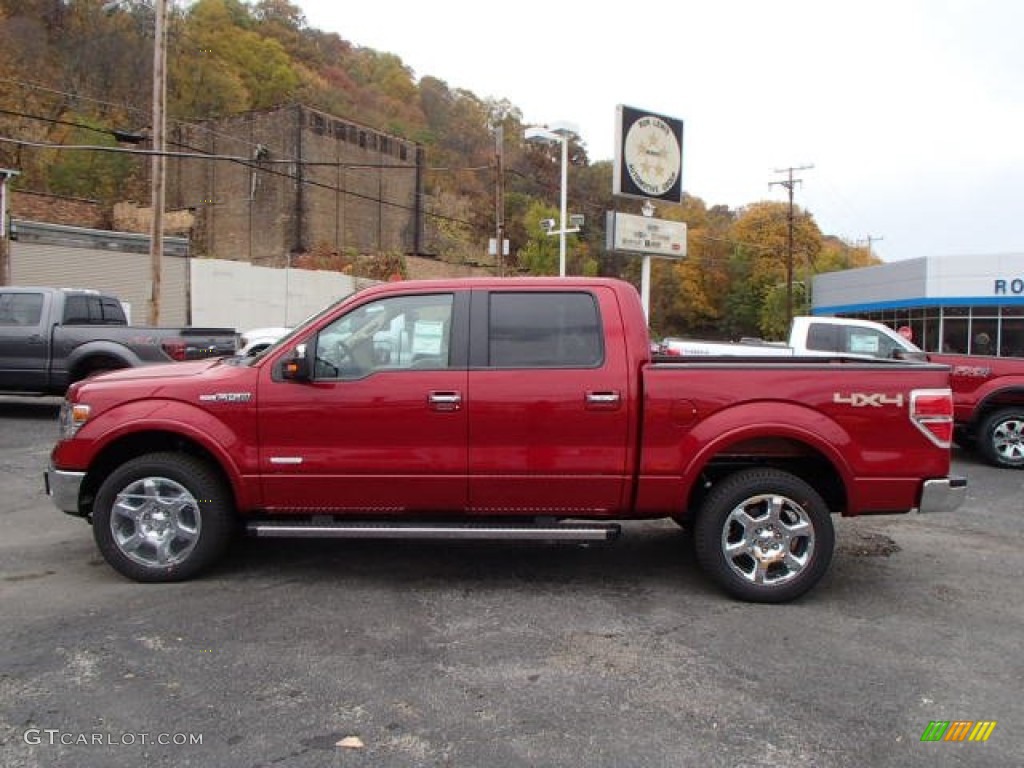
column 603, row 400
column 445, row 401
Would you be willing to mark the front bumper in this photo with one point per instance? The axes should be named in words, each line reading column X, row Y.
column 63, row 488
column 943, row 495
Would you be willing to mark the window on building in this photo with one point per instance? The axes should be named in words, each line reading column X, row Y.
column 931, row 342
column 955, row 331
column 1011, row 337
column 984, row 336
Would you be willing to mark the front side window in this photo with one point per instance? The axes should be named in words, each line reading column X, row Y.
column 850, row 340
column 399, row 333
column 864, row 341
column 544, row 330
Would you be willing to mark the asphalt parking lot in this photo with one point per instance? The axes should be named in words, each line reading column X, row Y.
column 362, row 653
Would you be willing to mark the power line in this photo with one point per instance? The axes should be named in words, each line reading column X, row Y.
column 245, row 162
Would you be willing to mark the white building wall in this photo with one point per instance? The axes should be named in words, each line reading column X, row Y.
column 975, row 277
column 243, row 296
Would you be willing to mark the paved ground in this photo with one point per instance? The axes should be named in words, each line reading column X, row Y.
column 483, row 654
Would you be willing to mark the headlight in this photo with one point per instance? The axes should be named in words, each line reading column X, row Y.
column 72, row 417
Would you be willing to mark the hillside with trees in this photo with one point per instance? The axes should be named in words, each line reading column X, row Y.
column 76, row 73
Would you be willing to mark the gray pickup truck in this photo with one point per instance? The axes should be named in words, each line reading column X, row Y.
column 52, row 337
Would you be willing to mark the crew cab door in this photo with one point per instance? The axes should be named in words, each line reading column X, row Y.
column 548, row 403
column 381, row 425
column 24, row 340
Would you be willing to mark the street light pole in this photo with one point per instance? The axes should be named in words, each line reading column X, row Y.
column 563, row 218
column 559, row 133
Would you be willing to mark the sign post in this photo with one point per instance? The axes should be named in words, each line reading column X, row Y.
column 649, row 166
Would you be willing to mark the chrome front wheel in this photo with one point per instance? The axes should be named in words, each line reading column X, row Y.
column 156, row 522
column 162, row 517
column 1002, row 438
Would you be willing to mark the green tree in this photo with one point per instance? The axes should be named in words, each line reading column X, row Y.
column 82, row 173
column 539, row 256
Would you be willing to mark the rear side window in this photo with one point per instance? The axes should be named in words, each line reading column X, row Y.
column 92, row 310
column 544, row 330
column 112, row 312
column 80, row 310
column 21, row 309
column 823, row 337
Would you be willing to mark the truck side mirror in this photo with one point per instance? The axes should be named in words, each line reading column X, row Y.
column 297, row 367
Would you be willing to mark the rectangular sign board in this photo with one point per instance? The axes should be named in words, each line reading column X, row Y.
column 642, row 234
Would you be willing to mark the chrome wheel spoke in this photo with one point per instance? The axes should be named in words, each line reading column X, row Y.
column 131, row 542
column 163, row 553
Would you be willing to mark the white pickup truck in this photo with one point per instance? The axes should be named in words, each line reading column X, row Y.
column 808, row 336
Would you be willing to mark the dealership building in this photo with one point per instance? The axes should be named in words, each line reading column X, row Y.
column 961, row 304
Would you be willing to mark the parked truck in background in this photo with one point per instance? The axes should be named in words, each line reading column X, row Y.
column 808, row 336
column 988, row 391
column 53, row 337
column 509, row 409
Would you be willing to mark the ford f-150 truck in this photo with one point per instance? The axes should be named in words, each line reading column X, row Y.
column 988, row 392
column 51, row 337
column 813, row 336
column 501, row 408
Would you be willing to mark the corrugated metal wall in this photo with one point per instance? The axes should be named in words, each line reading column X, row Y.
column 116, row 263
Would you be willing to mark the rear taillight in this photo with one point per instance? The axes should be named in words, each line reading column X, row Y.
column 931, row 410
column 176, row 349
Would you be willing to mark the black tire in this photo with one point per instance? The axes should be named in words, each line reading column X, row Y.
column 1001, row 438
column 764, row 536
column 162, row 517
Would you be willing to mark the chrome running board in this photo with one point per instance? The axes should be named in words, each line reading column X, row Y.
column 433, row 530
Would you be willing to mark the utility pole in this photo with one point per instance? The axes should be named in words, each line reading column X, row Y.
column 156, row 239
column 5, row 242
column 871, row 240
column 789, row 183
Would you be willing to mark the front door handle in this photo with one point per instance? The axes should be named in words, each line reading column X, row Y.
column 445, row 401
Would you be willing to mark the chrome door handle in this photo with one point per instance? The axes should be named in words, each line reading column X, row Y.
column 445, row 401
column 603, row 399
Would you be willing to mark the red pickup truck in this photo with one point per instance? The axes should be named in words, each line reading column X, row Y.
column 512, row 408
column 988, row 392
column 988, row 405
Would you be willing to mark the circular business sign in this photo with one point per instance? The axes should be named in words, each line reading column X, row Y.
column 652, row 155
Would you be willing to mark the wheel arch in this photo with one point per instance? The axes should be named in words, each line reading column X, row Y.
column 1005, row 397
column 99, row 355
column 808, row 455
column 135, row 444
column 790, row 454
